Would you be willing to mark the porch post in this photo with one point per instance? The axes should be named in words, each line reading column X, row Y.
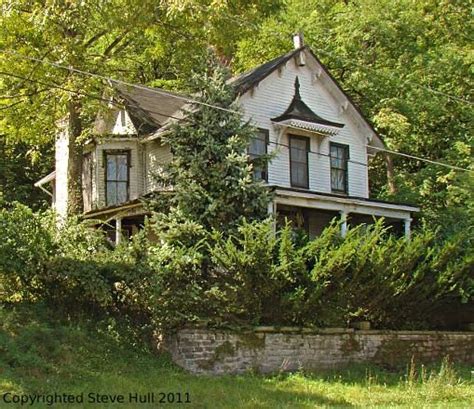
column 407, row 227
column 271, row 212
column 271, row 208
column 118, row 230
column 343, row 214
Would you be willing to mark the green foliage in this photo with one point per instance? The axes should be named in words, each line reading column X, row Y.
column 25, row 249
column 209, row 181
column 20, row 168
column 252, row 276
column 257, row 276
column 74, row 268
column 388, row 55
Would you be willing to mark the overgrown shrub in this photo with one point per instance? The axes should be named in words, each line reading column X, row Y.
column 26, row 247
column 253, row 276
column 72, row 268
column 257, row 276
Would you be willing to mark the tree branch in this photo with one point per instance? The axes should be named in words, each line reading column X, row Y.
column 31, row 94
column 94, row 38
column 114, row 43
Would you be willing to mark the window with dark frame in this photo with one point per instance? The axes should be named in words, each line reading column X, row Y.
column 299, row 172
column 257, row 149
column 117, row 177
column 339, row 160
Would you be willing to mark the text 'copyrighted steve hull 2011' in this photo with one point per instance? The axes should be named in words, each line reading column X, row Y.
column 95, row 398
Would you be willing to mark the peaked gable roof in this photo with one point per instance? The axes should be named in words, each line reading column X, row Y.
column 152, row 108
column 149, row 108
column 249, row 79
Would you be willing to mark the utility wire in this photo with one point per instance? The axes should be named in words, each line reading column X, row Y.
column 121, row 106
column 72, row 91
column 189, row 100
column 125, row 83
column 315, row 153
column 420, row 159
column 51, row 85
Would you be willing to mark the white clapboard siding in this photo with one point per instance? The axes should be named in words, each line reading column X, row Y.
column 61, row 182
column 273, row 96
column 156, row 155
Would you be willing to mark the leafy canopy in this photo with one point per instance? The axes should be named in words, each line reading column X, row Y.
column 388, row 55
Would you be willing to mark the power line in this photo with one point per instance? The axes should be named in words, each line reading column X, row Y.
column 125, row 83
column 406, row 155
column 51, row 85
column 121, row 106
column 72, row 91
column 189, row 100
column 315, row 153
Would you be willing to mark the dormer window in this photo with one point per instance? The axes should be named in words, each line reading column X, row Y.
column 339, row 159
column 117, row 177
column 257, row 149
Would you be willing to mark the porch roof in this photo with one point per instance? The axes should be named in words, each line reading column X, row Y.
column 48, row 178
column 347, row 204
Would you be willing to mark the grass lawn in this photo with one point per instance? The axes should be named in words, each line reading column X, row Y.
column 39, row 355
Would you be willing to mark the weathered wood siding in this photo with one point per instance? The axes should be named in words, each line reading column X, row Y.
column 271, row 98
column 156, row 155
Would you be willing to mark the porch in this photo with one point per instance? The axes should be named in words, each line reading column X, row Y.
column 120, row 221
column 313, row 211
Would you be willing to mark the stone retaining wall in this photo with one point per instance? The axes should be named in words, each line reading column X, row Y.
column 266, row 350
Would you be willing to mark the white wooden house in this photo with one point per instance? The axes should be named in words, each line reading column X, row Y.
column 319, row 171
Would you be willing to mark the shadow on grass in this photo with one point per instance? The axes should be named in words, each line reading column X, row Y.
column 38, row 355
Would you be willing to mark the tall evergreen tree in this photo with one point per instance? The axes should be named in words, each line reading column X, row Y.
column 210, row 176
column 149, row 42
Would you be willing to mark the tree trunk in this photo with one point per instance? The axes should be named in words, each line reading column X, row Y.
column 392, row 188
column 74, row 175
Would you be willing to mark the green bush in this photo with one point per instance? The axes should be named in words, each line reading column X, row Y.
column 253, row 276
column 25, row 248
column 258, row 276
column 73, row 268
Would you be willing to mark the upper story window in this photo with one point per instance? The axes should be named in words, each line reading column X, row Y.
column 299, row 147
column 258, row 148
column 339, row 158
column 117, row 177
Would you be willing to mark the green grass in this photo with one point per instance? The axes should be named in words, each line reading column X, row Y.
column 40, row 355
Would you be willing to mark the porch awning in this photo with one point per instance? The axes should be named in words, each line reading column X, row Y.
column 338, row 203
column 308, row 126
